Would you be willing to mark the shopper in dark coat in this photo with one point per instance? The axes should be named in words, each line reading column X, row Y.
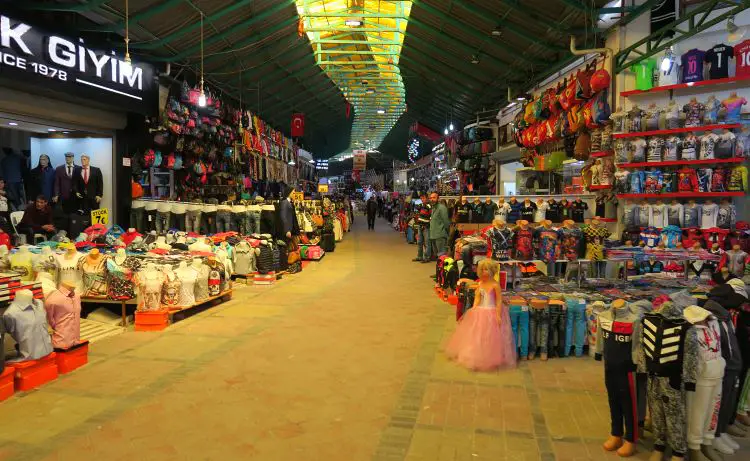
column 287, row 216
column 372, row 211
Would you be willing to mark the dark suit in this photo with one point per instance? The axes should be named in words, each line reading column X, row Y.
column 63, row 188
column 287, row 218
column 89, row 190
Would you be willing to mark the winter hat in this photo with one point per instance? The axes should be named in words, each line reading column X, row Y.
column 695, row 314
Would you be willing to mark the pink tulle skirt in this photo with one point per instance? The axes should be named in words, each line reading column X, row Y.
column 479, row 343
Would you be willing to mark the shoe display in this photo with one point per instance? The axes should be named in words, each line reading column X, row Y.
column 612, row 443
column 722, row 447
column 726, row 438
column 710, row 453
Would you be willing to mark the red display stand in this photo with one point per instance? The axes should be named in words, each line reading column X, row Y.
column 6, row 383
column 684, row 195
column 31, row 374
column 679, row 86
column 73, row 357
column 151, row 320
column 604, row 153
column 725, row 126
column 710, row 161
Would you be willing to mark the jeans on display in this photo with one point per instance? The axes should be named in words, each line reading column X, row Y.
column 519, row 320
column 223, row 221
column 208, row 222
column 556, row 329
column 551, row 269
column 538, row 330
column 560, row 268
column 424, row 248
column 136, row 218
column 149, row 221
column 575, row 326
column 600, row 269
column 238, row 223
column 622, row 403
column 252, row 222
column 162, row 221
column 703, row 408
column 439, row 246
column 178, row 221
column 193, row 221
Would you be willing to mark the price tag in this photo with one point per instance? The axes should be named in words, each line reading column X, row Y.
column 297, row 196
column 100, row 216
column 323, row 188
column 524, row 308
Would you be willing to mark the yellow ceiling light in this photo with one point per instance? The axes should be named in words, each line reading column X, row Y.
column 358, row 44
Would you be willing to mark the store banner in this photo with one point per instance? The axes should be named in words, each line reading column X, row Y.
column 298, row 125
column 34, row 59
column 360, row 159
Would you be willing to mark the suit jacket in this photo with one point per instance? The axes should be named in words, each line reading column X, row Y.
column 95, row 186
column 287, row 218
column 63, row 183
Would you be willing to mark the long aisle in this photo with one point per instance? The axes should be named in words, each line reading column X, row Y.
column 341, row 363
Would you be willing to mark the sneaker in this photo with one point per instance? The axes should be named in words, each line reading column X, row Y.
column 727, row 439
column 722, row 447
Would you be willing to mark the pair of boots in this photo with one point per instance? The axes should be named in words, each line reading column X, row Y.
column 624, row 448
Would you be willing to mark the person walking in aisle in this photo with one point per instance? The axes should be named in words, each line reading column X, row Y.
column 439, row 225
column 381, row 206
column 424, row 247
column 372, row 210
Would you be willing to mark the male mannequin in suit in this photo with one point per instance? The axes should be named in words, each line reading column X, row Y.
column 88, row 185
column 63, row 189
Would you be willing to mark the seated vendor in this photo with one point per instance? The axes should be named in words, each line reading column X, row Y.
column 37, row 219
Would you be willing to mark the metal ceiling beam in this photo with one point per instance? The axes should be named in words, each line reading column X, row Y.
column 456, row 69
column 152, row 45
column 524, row 10
column 247, row 42
column 76, row 7
column 136, row 18
column 348, row 14
column 297, row 73
column 304, row 101
column 576, row 4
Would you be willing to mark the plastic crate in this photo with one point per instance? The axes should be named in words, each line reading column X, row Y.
column 73, row 357
column 31, row 374
column 151, row 320
column 7, row 386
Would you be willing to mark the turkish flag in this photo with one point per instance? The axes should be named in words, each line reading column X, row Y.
column 298, row 125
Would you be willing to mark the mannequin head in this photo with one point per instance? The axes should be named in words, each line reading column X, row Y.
column 736, row 247
column 498, row 223
column 488, row 200
column 94, row 254
column 569, row 223
column 523, row 223
column 69, row 158
column 595, row 222
column 463, row 199
column 85, row 160
column 44, row 160
column 696, row 246
column 46, row 250
column 618, row 303
column 23, row 249
column 487, row 269
column 547, row 223
column 24, row 297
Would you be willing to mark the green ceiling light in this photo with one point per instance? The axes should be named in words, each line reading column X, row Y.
column 356, row 42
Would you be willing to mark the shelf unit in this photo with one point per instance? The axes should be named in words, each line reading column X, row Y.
column 604, row 153
column 684, row 195
column 723, row 126
column 710, row 161
column 679, row 86
column 601, row 187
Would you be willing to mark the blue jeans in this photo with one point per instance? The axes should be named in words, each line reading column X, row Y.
column 162, row 221
column 252, row 222
column 556, row 329
column 424, row 247
column 193, row 221
column 539, row 330
column 238, row 223
column 178, row 221
column 519, row 320
column 223, row 221
column 575, row 327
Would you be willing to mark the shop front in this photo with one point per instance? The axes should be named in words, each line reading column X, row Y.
column 68, row 112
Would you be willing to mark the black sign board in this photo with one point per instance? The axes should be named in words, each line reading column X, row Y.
column 33, row 57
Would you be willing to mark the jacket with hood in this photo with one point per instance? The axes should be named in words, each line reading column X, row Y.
column 730, row 347
column 731, row 295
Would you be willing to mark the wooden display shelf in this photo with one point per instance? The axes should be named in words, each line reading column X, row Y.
column 637, row 134
column 710, row 161
column 223, row 296
column 603, row 153
column 684, row 195
column 679, row 86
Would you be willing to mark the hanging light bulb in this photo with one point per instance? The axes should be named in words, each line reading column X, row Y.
column 446, row 131
column 202, row 97
column 127, row 65
column 450, row 127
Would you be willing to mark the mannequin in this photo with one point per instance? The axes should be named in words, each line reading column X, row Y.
column 501, row 238
column 163, row 216
column 523, row 241
column 514, row 213
column 614, row 344
column 150, row 210
column 553, row 211
column 93, row 272
column 179, row 213
column 653, row 114
column 635, row 116
column 596, row 173
column 477, row 211
column 208, row 215
column 63, row 187
column 595, row 235
column 201, row 284
column 570, row 244
column 578, row 210
column 4, row 259
column 702, row 409
column 202, row 244
column 88, row 185
column 547, row 238
column 692, row 215
column 709, row 214
column 172, row 288
column 658, row 215
column 64, row 316
column 675, row 214
column 187, row 275
column 26, row 322
column 121, row 270
column 727, row 215
column 149, row 283
column 528, row 210
column 137, row 212
column 734, row 259
column 541, row 210
column 733, row 105
column 69, row 271
column 462, row 211
column 46, row 262
column 22, row 263
column 253, row 216
column 41, row 180
column 711, row 116
column 503, row 209
column 618, row 118
column 239, row 215
column 47, row 282
column 245, row 258
column 693, row 112
column 490, row 210
column 672, row 115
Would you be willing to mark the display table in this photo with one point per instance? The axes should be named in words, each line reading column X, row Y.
column 123, row 305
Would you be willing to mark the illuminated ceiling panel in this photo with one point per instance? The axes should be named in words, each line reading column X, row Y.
column 358, row 43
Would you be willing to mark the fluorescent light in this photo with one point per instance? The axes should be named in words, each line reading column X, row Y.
column 291, row 162
column 520, row 98
column 353, row 22
column 12, row 123
column 51, row 130
column 381, row 111
column 66, row 132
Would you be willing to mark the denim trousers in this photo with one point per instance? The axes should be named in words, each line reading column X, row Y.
column 252, row 222
column 193, row 221
column 178, row 221
column 599, row 269
column 162, row 221
column 551, row 269
column 439, row 246
column 519, row 320
column 424, row 248
column 208, row 222
column 223, row 221
column 149, row 221
column 575, row 326
column 539, row 330
column 556, row 329
column 238, row 223
column 136, row 218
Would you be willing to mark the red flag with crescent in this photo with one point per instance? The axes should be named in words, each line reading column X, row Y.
column 298, row 125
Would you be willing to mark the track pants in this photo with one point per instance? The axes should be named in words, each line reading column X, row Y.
column 519, row 320
column 703, row 405
column 575, row 326
column 539, row 330
column 668, row 417
column 623, row 409
column 730, row 390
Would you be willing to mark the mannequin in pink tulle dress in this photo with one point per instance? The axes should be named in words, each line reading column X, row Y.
column 483, row 339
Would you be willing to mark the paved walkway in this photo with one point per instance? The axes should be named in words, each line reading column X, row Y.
column 341, row 362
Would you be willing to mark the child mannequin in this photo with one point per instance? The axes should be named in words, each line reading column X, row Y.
column 484, row 339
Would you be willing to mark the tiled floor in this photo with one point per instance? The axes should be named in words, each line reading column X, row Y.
column 341, row 362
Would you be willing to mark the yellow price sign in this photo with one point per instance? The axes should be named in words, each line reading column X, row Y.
column 297, row 196
column 323, row 188
column 100, row 216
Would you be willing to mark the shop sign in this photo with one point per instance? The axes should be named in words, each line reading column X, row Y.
column 360, row 160
column 323, row 188
column 30, row 55
column 297, row 196
column 100, row 216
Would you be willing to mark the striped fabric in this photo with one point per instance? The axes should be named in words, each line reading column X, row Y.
column 662, row 343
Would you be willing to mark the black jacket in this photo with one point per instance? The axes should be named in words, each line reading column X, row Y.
column 287, row 218
column 91, row 189
column 372, row 207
